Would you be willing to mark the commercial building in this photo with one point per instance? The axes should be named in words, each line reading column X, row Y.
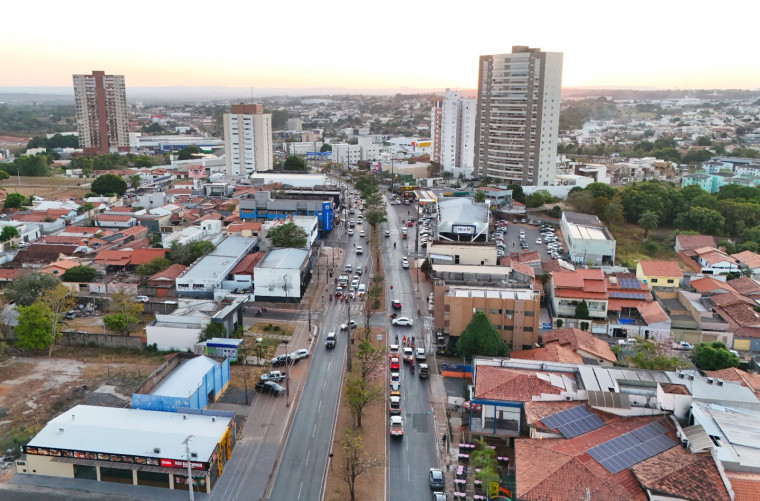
column 346, row 154
column 101, row 111
column 518, row 116
column 588, row 241
column 210, row 272
column 132, row 446
column 247, row 139
column 452, row 125
column 462, row 219
column 282, row 275
column 262, row 207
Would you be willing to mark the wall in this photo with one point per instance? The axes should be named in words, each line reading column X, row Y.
column 472, row 254
column 77, row 338
column 42, row 465
column 172, row 338
column 270, row 282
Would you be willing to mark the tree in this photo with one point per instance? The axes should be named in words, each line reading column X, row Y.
column 480, row 338
column 8, row 233
column 479, row 197
column 15, row 200
column 28, row 286
column 518, row 194
column 109, row 183
column 648, row 221
column 187, row 253
column 581, row 310
column 57, row 301
column 426, row 267
column 653, row 355
column 154, row 266
column 538, row 198
column 713, row 357
column 369, row 361
column 325, row 147
column 600, row 190
column 357, row 462
column 613, row 213
column 213, row 330
column 34, row 326
column 359, row 393
column 288, row 235
column 483, row 461
column 580, row 201
column 80, row 274
column 83, row 163
column 125, row 314
column 702, row 219
column 294, row 162
column 374, row 209
column 189, row 153
column 4, row 175
column 134, row 181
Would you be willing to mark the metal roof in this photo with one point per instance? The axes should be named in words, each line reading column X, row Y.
column 185, row 378
column 284, row 258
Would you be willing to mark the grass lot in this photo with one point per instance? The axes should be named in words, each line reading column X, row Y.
column 632, row 247
column 47, row 187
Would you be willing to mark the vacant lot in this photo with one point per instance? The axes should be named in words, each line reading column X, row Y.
column 47, row 187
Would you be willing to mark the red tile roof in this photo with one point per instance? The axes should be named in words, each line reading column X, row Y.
column 132, row 257
column 680, row 474
column 695, row 241
column 707, row 284
column 247, row 264
column 651, row 312
column 169, row 274
column 550, row 353
column 746, row 486
column 8, row 274
column 512, row 385
column 748, row 258
column 577, row 339
column 144, row 256
column 745, row 286
column 659, row 268
column 523, row 268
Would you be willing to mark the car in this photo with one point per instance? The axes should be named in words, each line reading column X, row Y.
column 394, row 363
column 419, row 353
column 269, row 387
column 354, row 283
column 359, row 250
column 403, row 322
column 522, row 220
column 299, row 354
column 439, row 496
column 69, row 314
column 514, row 220
column 362, row 234
column 349, row 268
column 394, row 406
column 275, row 376
column 538, row 241
column 140, row 299
column 282, row 360
column 396, row 304
column 351, row 223
column 330, row 340
column 683, row 345
column 345, row 326
column 393, row 350
column 22, row 245
column 395, row 378
column 396, row 427
column 387, row 233
column 350, row 232
column 409, row 224
column 361, row 290
column 408, row 355
column 436, row 479
column 358, row 272
column 404, row 263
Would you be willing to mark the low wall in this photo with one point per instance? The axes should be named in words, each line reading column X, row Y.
column 109, row 340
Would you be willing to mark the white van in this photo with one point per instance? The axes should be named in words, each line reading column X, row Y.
column 362, row 289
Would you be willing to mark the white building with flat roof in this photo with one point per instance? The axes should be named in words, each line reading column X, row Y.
column 282, row 275
column 208, row 273
column 588, row 241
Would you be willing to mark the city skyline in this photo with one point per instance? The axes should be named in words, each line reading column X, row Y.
column 426, row 47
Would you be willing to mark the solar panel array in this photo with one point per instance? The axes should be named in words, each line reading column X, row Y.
column 629, row 283
column 626, row 450
column 573, row 422
column 628, row 295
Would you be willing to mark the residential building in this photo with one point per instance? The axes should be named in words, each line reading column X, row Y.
column 514, row 312
column 748, row 260
column 588, row 241
column 294, row 124
column 659, row 273
column 101, row 111
column 566, row 290
column 690, row 242
column 465, row 253
column 591, row 350
column 247, row 140
column 517, row 117
column 714, row 261
column 452, row 124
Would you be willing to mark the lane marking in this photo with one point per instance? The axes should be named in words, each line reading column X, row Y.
column 313, row 432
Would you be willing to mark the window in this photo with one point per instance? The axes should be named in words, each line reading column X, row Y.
column 493, row 311
column 527, row 329
column 654, row 280
column 670, row 280
column 529, row 313
column 508, row 327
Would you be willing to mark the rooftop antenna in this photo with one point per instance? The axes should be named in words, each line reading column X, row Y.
column 251, row 94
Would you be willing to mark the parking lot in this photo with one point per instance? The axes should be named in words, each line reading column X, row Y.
column 532, row 233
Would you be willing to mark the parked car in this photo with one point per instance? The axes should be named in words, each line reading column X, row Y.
column 299, row 354
column 403, row 322
column 683, row 345
column 283, row 360
column 269, row 387
column 275, row 376
column 69, row 314
column 436, row 479
column 404, row 262
column 394, row 363
column 387, row 233
column 396, row 428
column 140, row 299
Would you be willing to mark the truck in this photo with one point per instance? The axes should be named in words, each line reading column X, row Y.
column 275, row 376
column 343, row 280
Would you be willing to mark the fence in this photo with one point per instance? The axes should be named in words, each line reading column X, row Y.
column 109, row 340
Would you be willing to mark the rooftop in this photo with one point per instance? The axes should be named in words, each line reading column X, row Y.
column 132, row 432
column 284, row 258
column 184, row 379
column 579, row 340
column 660, row 268
column 695, row 241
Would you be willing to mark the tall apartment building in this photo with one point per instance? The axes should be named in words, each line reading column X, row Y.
column 452, row 122
column 101, row 110
column 518, row 116
column 247, row 139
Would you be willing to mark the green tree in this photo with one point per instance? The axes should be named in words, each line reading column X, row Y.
column 480, row 338
column 426, row 267
column 80, row 274
column 109, row 183
column 154, row 266
column 648, row 221
column 187, row 254
column 325, row 147
column 4, row 175
column 294, row 162
column 288, row 235
column 600, row 190
column 483, row 461
column 359, row 394
column 8, row 233
column 517, row 193
column 479, row 197
column 704, row 141
column 653, row 355
column 613, row 213
column 580, row 201
column 15, row 200
column 555, row 212
column 34, row 326
column 84, row 163
column 213, row 330
column 581, row 310
column 125, row 314
column 713, row 357
column 189, row 153
column 134, row 181
column 374, row 209
column 702, row 220
column 538, row 198
column 57, row 301
column 28, row 286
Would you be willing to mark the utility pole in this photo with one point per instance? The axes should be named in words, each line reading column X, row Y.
column 189, row 468
column 350, row 339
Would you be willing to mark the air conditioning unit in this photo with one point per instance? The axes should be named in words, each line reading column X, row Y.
column 156, row 450
column 193, row 454
column 710, row 380
column 719, row 382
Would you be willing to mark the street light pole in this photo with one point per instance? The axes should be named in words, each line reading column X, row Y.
column 189, row 468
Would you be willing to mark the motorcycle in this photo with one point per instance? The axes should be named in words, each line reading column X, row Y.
column 263, row 309
column 394, row 315
column 331, row 298
column 257, row 314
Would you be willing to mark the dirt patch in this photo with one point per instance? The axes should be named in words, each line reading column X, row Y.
column 369, row 484
column 47, row 187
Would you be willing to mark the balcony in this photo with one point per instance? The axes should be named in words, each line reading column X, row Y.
column 491, row 426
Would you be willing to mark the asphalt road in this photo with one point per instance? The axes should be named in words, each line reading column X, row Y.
column 300, row 473
column 409, row 458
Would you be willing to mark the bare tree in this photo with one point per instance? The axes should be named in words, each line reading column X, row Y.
column 369, row 360
column 58, row 301
column 357, row 462
column 359, row 394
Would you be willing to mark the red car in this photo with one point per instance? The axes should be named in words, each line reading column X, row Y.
column 410, row 223
column 396, row 304
column 394, row 363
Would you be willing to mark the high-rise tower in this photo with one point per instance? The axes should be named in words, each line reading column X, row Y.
column 247, row 139
column 101, row 110
column 452, row 124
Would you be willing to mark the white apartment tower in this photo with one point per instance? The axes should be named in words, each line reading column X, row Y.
column 518, row 116
column 247, row 139
column 101, row 111
column 452, row 122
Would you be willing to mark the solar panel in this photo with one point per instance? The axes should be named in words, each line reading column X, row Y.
column 626, row 450
column 628, row 295
column 573, row 422
column 629, row 283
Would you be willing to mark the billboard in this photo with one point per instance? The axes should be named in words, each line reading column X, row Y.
column 463, row 229
column 326, row 216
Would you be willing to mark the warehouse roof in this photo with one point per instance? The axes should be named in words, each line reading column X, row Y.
column 185, row 379
column 284, row 258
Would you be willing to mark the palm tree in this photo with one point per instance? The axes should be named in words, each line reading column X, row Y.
column 648, row 221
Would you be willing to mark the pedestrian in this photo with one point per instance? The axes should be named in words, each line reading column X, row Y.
column 404, row 339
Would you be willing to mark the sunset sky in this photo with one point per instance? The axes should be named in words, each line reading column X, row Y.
column 375, row 45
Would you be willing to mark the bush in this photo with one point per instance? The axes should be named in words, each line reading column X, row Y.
column 651, row 247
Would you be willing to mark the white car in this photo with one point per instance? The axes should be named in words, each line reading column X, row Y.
column 359, row 250
column 361, row 234
column 140, row 299
column 350, row 232
column 299, row 354
column 403, row 321
column 345, row 326
column 404, row 262
column 387, row 233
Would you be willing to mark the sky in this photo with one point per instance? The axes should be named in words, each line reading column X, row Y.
column 670, row 44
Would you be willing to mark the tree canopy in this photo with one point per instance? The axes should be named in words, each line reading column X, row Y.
column 125, row 314
column 713, row 356
column 189, row 152
column 33, row 331
column 154, row 266
column 15, row 200
column 653, row 355
column 374, row 209
column 288, row 235
column 80, row 274
column 8, row 233
column 28, row 287
column 108, row 184
column 187, row 253
column 294, row 162
column 480, row 338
